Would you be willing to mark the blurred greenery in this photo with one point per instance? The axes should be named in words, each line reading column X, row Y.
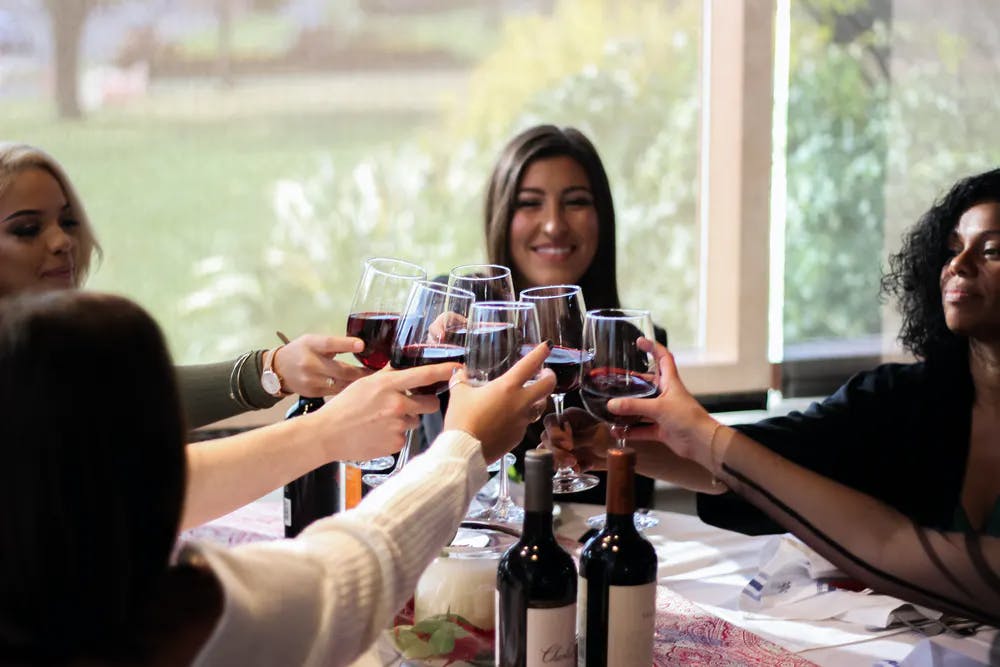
column 598, row 68
column 255, row 34
column 233, row 212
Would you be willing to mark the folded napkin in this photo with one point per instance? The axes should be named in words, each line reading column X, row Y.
column 796, row 583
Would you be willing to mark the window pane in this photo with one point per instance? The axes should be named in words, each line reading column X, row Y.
column 240, row 157
column 889, row 104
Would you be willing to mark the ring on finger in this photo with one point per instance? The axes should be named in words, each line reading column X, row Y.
column 330, row 382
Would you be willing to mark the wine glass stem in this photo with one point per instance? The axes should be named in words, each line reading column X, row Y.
column 557, row 402
column 503, row 495
column 621, row 435
column 404, row 453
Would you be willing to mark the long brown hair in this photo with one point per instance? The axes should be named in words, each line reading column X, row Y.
column 93, row 474
column 599, row 282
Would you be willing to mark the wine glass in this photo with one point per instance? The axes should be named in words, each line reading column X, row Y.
column 489, row 282
column 498, row 334
column 618, row 368
column 379, row 300
column 423, row 337
column 560, row 319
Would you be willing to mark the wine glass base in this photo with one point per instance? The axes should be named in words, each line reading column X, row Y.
column 643, row 521
column 375, row 479
column 503, row 511
column 573, row 483
column 380, row 463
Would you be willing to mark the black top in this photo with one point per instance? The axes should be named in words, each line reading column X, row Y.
column 899, row 433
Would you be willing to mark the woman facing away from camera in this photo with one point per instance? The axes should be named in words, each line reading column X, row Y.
column 896, row 477
column 94, row 499
column 47, row 243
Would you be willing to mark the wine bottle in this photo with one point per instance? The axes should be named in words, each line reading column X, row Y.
column 616, row 604
column 536, row 583
column 314, row 495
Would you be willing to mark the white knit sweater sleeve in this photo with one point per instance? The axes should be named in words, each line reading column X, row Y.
column 322, row 598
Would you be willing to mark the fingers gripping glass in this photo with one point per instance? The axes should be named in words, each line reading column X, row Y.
column 378, row 303
column 618, row 368
column 560, row 319
column 429, row 331
column 499, row 334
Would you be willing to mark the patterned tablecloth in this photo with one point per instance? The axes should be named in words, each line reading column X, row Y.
column 685, row 633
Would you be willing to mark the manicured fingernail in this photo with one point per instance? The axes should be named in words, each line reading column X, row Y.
column 550, row 344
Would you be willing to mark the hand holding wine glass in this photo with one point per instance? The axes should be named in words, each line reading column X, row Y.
column 416, row 343
column 621, row 366
column 378, row 303
column 498, row 335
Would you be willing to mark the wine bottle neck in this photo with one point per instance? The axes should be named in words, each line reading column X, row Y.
column 537, row 525
column 620, row 523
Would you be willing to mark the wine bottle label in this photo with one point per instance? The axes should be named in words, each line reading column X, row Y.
column 631, row 623
column 551, row 637
column 287, row 510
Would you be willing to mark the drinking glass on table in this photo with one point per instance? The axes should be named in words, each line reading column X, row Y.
column 379, row 300
column 489, row 282
column 618, row 368
column 424, row 335
column 498, row 334
column 561, row 311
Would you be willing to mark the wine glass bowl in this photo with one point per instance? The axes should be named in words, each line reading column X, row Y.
column 378, row 302
column 489, row 282
column 616, row 366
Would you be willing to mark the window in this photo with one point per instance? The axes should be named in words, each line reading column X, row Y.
column 240, row 157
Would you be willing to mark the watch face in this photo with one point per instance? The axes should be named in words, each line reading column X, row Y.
column 271, row 383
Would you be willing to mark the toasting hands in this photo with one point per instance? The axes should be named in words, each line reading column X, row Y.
column 498, row 412
column 307, row 366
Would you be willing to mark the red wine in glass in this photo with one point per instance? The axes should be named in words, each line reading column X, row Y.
column 602, row 384
column 377, row 330
column 423, row 354
column 565, row 363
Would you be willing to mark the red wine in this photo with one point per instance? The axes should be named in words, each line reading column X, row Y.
column 565, row 362
column 602, row 384
column 536, row 583
column 315, row 494
column 422, row 354
column 377, row 330
column 617, row 588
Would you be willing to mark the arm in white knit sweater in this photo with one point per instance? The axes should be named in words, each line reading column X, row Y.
column 322, row 599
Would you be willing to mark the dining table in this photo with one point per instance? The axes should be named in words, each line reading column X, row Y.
column 702, row 574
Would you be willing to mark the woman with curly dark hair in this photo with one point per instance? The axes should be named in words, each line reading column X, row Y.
column 896, row 477
column 920, row 437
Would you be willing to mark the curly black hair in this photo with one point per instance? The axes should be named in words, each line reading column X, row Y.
column 915, row 271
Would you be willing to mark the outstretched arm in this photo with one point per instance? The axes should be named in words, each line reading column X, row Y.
column 863, row 536
column 366, row 420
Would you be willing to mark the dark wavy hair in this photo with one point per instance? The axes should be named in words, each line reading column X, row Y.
column 93, row 474
column 914, row 276
column 599, row 282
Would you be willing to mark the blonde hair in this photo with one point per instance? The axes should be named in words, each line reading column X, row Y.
column 16, row 158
